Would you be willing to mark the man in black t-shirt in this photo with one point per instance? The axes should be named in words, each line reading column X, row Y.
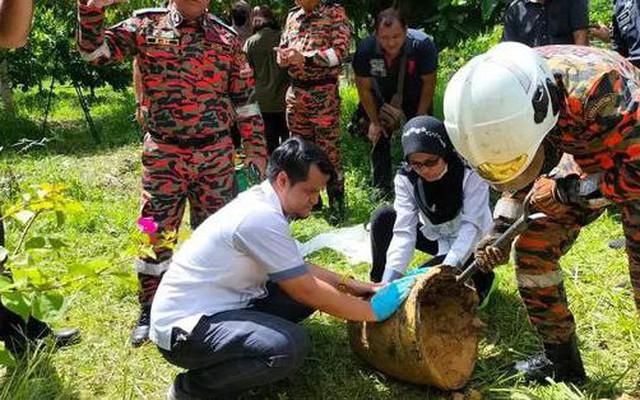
column 377, row 65
column 543, row 22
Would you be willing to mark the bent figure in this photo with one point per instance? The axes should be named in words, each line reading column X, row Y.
column 228, row 308
column 441, row 208
column 512, row 113
column 195, row 85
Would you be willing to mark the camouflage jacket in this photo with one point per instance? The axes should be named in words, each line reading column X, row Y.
column 323, row 38
column 195, row 78
column 598, row 122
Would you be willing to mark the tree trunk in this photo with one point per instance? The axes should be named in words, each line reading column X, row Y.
column 5, row 87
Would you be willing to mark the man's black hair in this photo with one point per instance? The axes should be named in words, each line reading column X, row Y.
column 263, row 18
column 239, row 14
column 387, row 17
column 295, row 157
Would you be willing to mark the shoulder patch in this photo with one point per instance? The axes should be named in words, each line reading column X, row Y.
column 218, row 21
column 143, row 12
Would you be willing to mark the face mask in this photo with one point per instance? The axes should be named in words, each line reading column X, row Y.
column 444, row 172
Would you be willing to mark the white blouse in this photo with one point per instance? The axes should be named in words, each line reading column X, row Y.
column 456, row 238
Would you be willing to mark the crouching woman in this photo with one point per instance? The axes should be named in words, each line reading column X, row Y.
column 441, row 208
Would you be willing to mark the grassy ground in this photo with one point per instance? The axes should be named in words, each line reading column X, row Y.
column 105, row 178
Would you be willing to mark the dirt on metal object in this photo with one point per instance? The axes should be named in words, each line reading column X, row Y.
column 431, row 340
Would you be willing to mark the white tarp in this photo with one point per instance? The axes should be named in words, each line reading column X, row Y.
column 352, row 241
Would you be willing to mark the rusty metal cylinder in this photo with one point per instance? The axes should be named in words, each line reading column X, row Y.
column 431, row 340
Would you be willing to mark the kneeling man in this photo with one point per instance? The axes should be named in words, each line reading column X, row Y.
column 228, row 307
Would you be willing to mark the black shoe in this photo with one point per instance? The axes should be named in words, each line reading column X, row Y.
column 66, row 337
column 559, row 361
column 140, row 333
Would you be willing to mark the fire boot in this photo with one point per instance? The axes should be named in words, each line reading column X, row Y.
column 148, row 286
column 559, row 361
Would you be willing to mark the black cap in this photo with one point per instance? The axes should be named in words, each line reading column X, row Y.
column 425, row 134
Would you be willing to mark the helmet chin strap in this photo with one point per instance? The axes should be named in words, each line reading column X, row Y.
column 527, row 176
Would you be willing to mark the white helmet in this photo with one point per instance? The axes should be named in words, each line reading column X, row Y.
column 498, row 108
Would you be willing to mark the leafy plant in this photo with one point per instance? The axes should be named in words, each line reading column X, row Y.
column 33, row 278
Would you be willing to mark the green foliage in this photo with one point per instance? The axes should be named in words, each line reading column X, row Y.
column 28, row 285
column 52, row 53
column 452, row 59
column 600, row 12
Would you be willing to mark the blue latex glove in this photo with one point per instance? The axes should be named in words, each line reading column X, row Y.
column 388, row 299
column 417, row 271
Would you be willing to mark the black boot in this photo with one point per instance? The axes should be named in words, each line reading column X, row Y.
column 66, row 337
column 148, row 287
column 140, row 333
column 559, row 361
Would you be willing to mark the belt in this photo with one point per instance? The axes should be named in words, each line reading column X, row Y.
column 308, row 84
column 188, row 143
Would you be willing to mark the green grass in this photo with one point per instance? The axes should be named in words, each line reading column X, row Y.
column 105, row 178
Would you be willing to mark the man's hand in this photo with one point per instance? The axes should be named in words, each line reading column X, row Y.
column 296, row 58
column 260, row 163
column 375, row 130
column 104, row 3
column 388, row 299
column 288, row 56
column 363, row 289
column 488, row 256
column 282, row 56
column 601, row 32
column 553, row 197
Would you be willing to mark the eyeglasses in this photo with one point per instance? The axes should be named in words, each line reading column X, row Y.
column 417, row 165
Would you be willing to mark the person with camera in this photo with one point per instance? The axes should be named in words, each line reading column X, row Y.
column 396, row 78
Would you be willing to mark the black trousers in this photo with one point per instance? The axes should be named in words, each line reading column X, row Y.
column 275, row 129
column 381, row 167
column 382, row 221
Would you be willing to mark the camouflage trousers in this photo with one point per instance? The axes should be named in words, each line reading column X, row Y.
column 538, row 273
column 173, row 176
column 314, row 115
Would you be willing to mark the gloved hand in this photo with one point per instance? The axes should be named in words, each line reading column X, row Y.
column 488, row 256
column 417, row 271
column 555, row 196
column 388, row 299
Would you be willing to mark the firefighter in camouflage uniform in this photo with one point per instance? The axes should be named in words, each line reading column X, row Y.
column 196, row 83
column 314, row 42
column 514, row 112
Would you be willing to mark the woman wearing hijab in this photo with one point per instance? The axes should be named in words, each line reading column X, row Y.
column 441, row 208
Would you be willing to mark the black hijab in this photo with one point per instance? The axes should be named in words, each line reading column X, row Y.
column 441, row 200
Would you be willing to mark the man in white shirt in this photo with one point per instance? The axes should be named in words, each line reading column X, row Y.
column 227, row 308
